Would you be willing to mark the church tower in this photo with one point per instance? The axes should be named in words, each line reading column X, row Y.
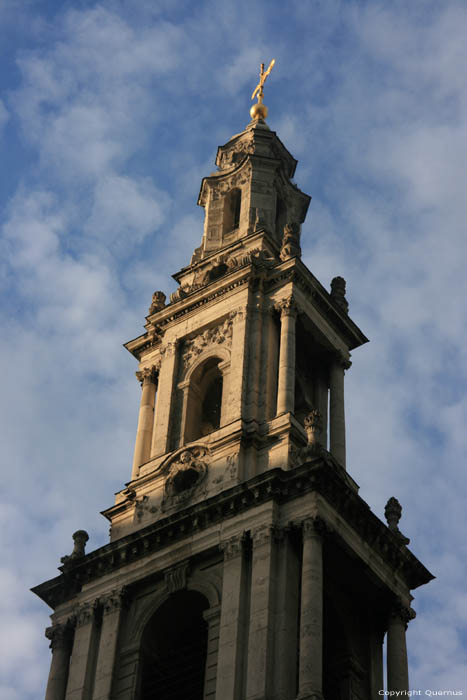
column 242, row 562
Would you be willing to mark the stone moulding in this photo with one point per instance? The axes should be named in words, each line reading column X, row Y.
column 221, row 334
column 288, row 271
column 186, row 471
column 321, row 475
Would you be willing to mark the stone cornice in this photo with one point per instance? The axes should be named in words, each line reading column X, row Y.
column 282, row 272
column 321, row 475
column 296, row 272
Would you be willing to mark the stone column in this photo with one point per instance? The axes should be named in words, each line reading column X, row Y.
column 82, row 663
column 310, row 669
column 212, row 617
column 61, row 637
column 259, row 680
column 106, row 655
column 396, row 661
column 142, row 454
column 165, row 395
column 286, row 380
column 336, row 409
column 230, row 670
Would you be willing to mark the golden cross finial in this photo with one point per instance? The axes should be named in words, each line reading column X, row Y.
column 258, row 91
column 260, row 111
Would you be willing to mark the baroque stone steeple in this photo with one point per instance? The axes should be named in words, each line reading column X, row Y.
column 242, row 562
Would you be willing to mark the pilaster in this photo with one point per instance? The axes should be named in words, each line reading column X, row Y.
column 112, row 605
column 286, row 629
column 262, row 614
column 310, row 673
column 230, row 667
column 212, row 617
column 161, row 436
column 238, row 366
column 83, row 657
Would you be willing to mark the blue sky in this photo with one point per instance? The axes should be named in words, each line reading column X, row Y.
column 110, row 115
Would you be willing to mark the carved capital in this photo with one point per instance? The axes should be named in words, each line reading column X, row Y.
column 176, row 577
column 60, row 636
column 114, row 601
column 147, row 375
column 342, row 360
column 264, row 534
column 169, row 349
column 233, row 547
column 313, row 527
column 287, row 307
column 402, row 613
column 84, row 613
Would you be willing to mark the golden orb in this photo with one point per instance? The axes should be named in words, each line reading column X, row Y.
column 259, row 111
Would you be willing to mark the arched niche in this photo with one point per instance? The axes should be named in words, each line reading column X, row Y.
column 205, row 393
column 174, row 649
column 231, row 214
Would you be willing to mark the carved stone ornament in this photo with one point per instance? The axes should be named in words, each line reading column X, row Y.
column 168, row 349
column 221, row 187
column 232, row 547
column 342, row 360
column 392, row 513
column 220, row 335
column 403, row 613
column 157, row 303
column 186, row 472
column 234, row 155
column 80, row 537
column 60, row 636
column 84, row 613
column 176, row 577
column 264, row 534
column 147, row 375
column 313, row 527
column 113, row 601
column 155, row 334
column 338, row 293
column 291, row 242
column 314, row 426
column 287, row 307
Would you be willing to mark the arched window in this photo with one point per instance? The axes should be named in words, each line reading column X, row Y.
column 174, row 649
column 204, row 400
column 232, row 205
